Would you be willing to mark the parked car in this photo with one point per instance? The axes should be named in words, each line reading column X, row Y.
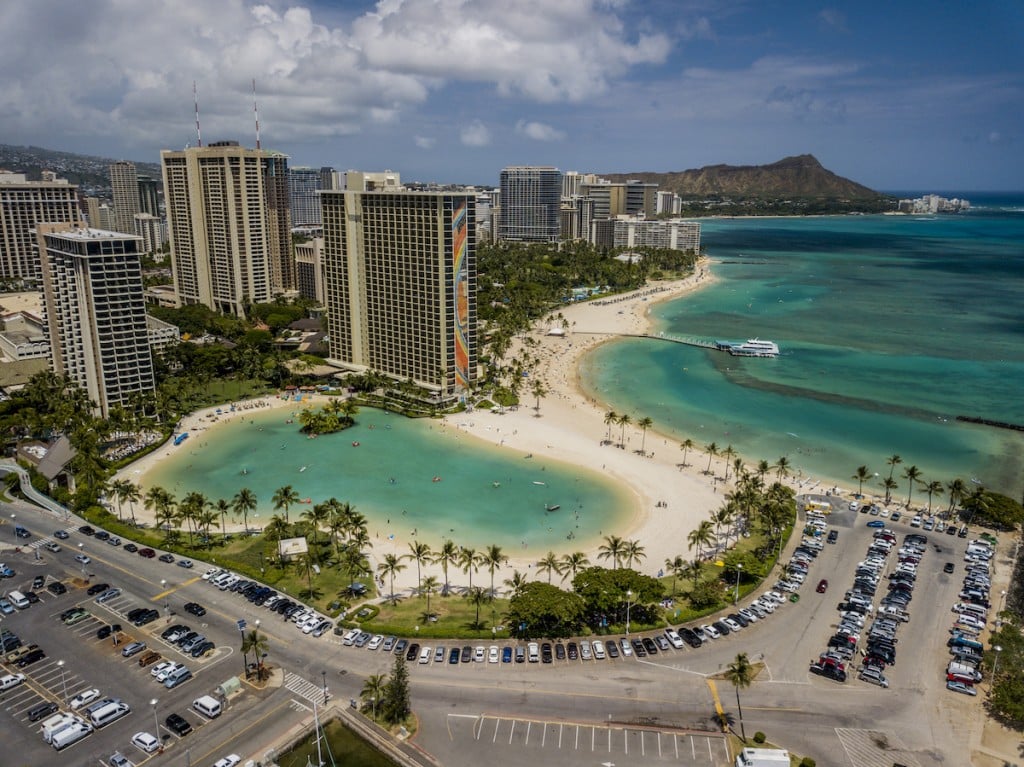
column 822, row 586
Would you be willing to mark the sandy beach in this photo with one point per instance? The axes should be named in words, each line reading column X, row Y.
column 668, row 500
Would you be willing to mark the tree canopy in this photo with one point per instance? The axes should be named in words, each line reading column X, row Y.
column 542, row 610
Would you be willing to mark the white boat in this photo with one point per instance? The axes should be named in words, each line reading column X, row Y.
column 755, row 347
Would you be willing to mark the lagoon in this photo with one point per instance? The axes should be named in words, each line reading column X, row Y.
column 483, row 494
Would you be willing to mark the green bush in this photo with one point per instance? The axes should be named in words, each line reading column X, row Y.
column 760, row 737
column 807, row 762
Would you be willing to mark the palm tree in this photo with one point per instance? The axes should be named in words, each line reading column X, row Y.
column 933, row 488
column 469, row 561
column 712, row 450
column 728, row 453
column 116, row 488
column 860, row 475
column 691, row 568
column 644, row 423
column 701, row 536
column 686, row 446
column 538, row 390
column 373, row 691
column 763, row 467
column 893, row 460
column 243, row 503
column 445, row 556
column 256, row 643
column 573, row 563
column 492, row 559
column 741, row 673
column 611, row 417
column 957, row 490
column 476, row 596
column 549, row 564
column 889, row 484
column 222, row 508
column 782, row 468
column 284, row 498
column 912, row 474
column 612, row 549
column 516, row 583
column 131, row 493
column 317, row 515
column 676, row 566
column 429, row 587
column 624, row 421
column 391, row 565
column 633, row 551
column 420, row 553
column 276, row 528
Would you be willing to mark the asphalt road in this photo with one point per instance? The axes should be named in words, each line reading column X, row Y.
column 625, row 711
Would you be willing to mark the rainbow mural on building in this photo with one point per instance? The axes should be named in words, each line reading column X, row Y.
column 461, row 270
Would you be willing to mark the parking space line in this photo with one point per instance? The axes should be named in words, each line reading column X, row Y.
column 693, row 749
column 625, row 741
column 527, row 733
column 609, row 740
column 675, row 742
column 710, row 756
column 544, row 735
column 497, row 724
column 576, row 745
column 560, row 728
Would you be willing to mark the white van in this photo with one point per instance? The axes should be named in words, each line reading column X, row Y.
column 208, row 706
column 974, row 550
column 533, row 652
column 18, row 599
column 72, row 733
column 111, row 712
column 55, row 724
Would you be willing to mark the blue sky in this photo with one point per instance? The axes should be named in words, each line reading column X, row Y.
column 909, row 95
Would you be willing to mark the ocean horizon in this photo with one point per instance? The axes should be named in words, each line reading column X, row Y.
column 890, row 327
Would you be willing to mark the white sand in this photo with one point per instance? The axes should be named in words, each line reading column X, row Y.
column 568, row 427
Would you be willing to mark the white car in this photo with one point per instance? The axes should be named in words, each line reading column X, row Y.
column 376, row 642
column 83, row 698
column 674, row 638
column 598, row 647
column 492, row 654
column 160, row 668
column 585, row 653
column 228, row 761
column 425, row 654
column 626, row 647
column 750, row 615
column 147, row 742
column 776, row 597
column 710, row 631
column 733, row 625
column 82, row 559
column 479, row 654
column 212, row 572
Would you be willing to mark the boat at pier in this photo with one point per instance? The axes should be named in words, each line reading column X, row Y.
column 753, row 347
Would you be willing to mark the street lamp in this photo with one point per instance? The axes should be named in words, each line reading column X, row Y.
column 81, row 552
column 245, row 655
column 327, row 695
column 736, row 594
column 995, row 663
column 12, row 525
column 167, row 603
column 373, row 707
column 256, row 652
column 63, row 680
column 156, row 724
column 629, row 596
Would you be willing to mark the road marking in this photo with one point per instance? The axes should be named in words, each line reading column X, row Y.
column 171, row 590
column 511, row 732
column 528, row 732
column 304, row 688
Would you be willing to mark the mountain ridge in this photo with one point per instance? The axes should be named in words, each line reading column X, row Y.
column 795, row 176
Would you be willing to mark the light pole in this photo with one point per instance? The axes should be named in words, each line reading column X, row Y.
column 256, row 652
column 327, row 695
column 995, row 663
column 156, row 724
column 245, row 655
column 63, row 681
column 736, row 594
column 163, row 588
column 373, row 707
column 13, row 527
column 1002, row 601
column 81, row 552
column 629, row 596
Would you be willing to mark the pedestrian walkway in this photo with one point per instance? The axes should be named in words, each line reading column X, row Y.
column 873, row 748
column 314, row 693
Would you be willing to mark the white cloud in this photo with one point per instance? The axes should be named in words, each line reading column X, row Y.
column 539, row 131
column 475, row 134
column 98, row 75
column 424, row 142
column 833, row 19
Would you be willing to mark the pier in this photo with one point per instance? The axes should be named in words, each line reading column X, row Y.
column 684, row 340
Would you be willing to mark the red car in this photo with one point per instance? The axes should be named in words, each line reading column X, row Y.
column 822, row 586
column 147, row 553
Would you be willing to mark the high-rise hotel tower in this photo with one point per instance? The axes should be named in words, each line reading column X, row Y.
column 96, row 312
column 531, row 201
column 23, row 205
column 228, row 225
column 400, row 284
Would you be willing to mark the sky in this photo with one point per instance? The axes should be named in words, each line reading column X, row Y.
column 907, row 95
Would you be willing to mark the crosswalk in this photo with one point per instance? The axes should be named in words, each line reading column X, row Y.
column 314, row 693
column 38, row 543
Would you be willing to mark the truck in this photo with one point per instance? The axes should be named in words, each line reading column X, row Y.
column 763, row 757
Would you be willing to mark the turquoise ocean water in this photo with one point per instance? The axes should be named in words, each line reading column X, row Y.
column 890, row 327
column 389, row 478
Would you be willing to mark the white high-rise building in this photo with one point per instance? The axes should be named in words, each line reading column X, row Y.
column 150, row 229
column 124, row 187
column 228, row 224
column 23, row 205
column 303, row 185
column 400, row 285
column 96, row 313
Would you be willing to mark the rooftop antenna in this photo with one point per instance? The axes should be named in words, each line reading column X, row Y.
column 256, row 114
column 195, row 98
